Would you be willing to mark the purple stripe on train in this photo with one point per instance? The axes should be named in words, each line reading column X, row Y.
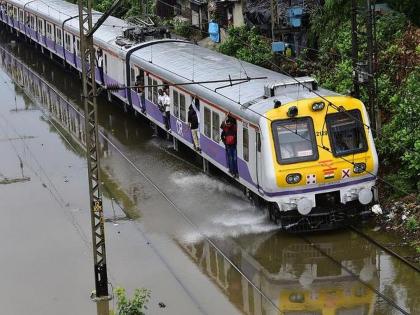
column 211, row 148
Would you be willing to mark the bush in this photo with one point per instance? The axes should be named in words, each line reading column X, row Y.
column 400, row 138
column 134, row 306
column 412, row 224
column 246, row 44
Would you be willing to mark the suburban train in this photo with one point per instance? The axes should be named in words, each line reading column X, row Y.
column 306, row 152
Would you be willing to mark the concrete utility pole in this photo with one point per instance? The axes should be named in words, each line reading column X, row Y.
column 88, row 58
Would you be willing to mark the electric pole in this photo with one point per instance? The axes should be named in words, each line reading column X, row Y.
column 354, row 48
column 273, row 5
column 88, row 59
column 370, row 58
column 364, row 72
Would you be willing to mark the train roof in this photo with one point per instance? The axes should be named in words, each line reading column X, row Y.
column 181, row 61
column 60, row 11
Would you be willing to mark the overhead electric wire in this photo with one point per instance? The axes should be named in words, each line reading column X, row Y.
column 180, row 212
column 337, row 108
column 349, row 271
column 214, row 246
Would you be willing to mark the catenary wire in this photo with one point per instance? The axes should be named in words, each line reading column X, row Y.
column 180, row 212
column 196, row 227
column 338, row 108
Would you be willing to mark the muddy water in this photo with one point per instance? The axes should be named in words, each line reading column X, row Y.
column 260, row 270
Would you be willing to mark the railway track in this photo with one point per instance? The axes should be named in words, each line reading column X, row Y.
column 384, row 248
column 305, row 238
column 371, row 240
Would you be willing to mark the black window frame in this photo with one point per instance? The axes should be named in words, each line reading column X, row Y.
column 358, row 118
column 313, row 157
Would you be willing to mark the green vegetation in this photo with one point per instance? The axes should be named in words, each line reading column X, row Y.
column 398, row 42
column 412, row 224
column 126, row 8
column 398, row 75
column 246, row 44
column 134, row 306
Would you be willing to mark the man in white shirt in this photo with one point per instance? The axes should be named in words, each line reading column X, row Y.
column 100, row 65
column 167, row 108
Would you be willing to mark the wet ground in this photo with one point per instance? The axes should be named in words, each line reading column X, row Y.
column 191, row 221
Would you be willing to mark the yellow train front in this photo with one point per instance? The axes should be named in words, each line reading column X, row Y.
column 324, row 162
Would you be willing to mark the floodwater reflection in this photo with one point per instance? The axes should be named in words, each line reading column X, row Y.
column 294, row 277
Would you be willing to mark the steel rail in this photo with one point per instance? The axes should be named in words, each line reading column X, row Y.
column 151, row 182
column 384, row 248
column 365, row 283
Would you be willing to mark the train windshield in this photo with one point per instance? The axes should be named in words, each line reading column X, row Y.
column 294, row 140
column 346, row 133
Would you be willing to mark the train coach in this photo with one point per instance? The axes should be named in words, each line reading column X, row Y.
column 306, row 152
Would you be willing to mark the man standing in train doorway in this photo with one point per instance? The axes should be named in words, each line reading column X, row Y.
column 100, row 65
column 229, row 139
column 194, row 124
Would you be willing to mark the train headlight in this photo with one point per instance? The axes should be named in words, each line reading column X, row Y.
column 318, row 106
column 292, row 112
column 296, row 298
column 293, row 178
column 365, row 196
column 359, row 168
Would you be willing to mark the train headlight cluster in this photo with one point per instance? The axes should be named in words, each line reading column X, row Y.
column 293, row 178
column 318, row 106
column 296, row 298
column 359, row 168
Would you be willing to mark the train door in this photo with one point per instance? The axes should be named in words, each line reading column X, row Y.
column 259, row 161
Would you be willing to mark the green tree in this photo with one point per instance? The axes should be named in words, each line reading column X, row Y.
column 134, row 306
column 246, row 44
column 400, row 140
column 410, row 7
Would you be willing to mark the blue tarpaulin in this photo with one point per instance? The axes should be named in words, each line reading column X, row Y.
column 214, row 32
column 294, row 15
column 278, row 46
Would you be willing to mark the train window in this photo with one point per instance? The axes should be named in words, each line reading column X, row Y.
column 346, row 133
column 58, row 36
column 15, row 12
column 49, row 31
column 182, row 109
column 67, row 41
column 32, row 22
column 245, row 141
column 215, row 127
column 21, row 16
column 149, row 88
column 176, row 104
column 78, row 47
column 41, row 26
column 105, row 62
column 258, row 141
column 155, row 91
column 207, row 122
column 132, row 76
column 294, row 140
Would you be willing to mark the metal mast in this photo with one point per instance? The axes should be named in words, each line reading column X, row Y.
column 370, row 28
column 355, row 48
column 87, row 52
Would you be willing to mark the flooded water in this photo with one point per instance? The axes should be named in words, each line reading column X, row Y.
column 259, row 269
